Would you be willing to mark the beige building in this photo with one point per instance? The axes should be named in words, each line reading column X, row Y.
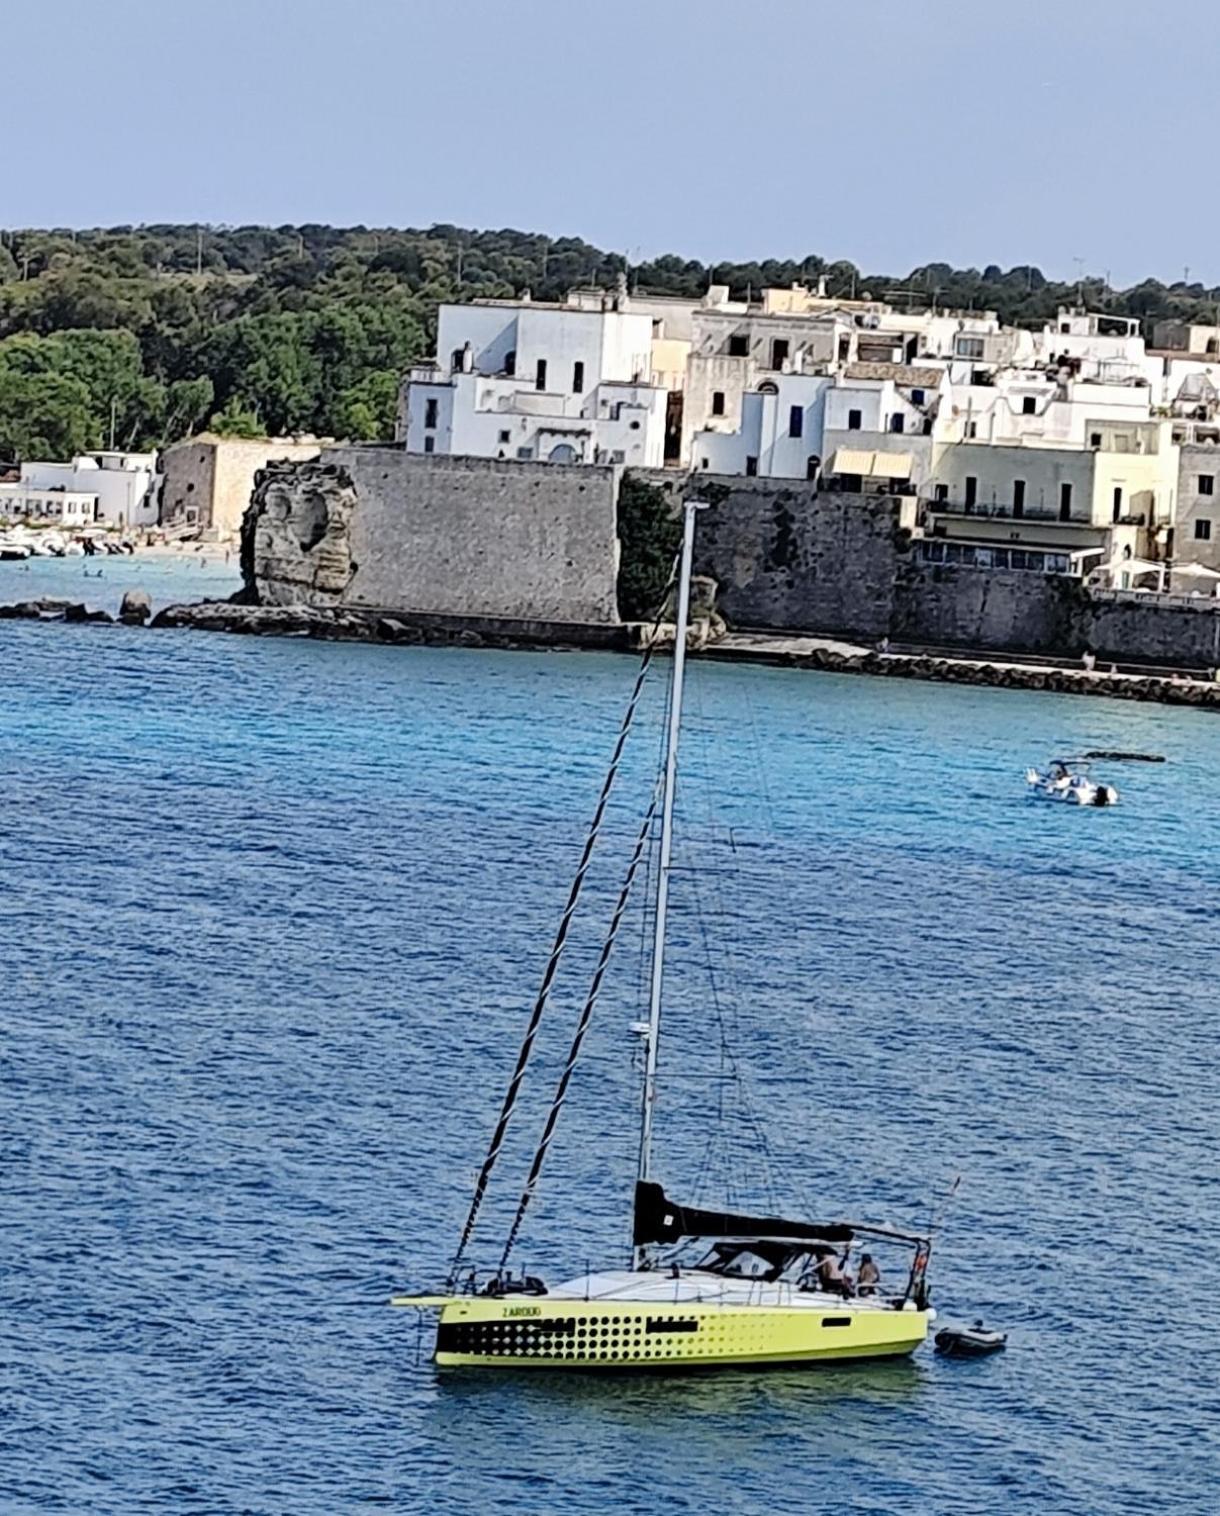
column 1059, row 508
column 206, row 481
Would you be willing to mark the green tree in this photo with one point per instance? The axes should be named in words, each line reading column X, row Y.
column 44, row 416
column 236, row 421
column 365, row 411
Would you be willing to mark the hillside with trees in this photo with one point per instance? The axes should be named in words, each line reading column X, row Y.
column 142, row 335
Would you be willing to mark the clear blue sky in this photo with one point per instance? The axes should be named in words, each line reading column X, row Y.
column 891, row 132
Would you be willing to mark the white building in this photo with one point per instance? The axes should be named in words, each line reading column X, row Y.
column 56, row 507
column 120, row 483
column 569, row 383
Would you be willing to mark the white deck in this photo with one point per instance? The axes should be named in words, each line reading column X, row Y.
column 694, row 1285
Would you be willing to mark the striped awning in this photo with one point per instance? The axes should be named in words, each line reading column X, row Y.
column 871, row 465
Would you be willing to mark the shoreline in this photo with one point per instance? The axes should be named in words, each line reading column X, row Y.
column 804, row 651
column 809, row 652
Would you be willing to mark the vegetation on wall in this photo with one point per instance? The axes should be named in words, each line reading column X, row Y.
column 142, row 335
column 650, row 535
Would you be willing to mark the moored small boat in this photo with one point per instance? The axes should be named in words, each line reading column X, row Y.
column 969, row 1342
column 1068, row 780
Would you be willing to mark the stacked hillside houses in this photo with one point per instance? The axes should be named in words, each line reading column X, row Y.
column 1077, row 449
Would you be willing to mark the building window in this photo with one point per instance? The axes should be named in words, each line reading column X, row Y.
column 796, row 421
column 779, row 352
column 1203, row 530
column 739, row 345
column 942, row 494
column 812, row 465
column 1207, row 484
column 972, row 490
column 430, row 410
column 634, row 426
column 1095, row 439
column 506, row 436
column 897, row 422
column 1028, row 405
column 510, row 362
column 578, row 377
column 540, row 375
column 917, row 397
column 618, row 456
column 1065, row 502
column 717, row 402
column 1018, row 498
column 703, row 463
column 968, row 347
column 1212, row 347
column 429, row 444
column 525, row 452
column 1118, row 502
column 751, row 466
column 854, row 418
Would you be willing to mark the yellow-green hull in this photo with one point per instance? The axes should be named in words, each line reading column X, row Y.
column 477, row 1332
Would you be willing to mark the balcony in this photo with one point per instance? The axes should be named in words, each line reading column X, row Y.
column 1041, row 514
column 997, row 512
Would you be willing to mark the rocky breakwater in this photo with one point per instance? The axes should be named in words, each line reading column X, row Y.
column 1169, row 689
column 357, row 624
column 52, row 610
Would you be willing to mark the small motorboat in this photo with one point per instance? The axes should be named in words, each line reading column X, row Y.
column 1068, row 779
column 969, row 1342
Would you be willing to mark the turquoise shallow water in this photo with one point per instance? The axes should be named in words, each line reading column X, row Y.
column 274, row 912
column 102, row 582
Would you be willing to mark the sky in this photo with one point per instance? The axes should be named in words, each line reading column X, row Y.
column 1071, row 134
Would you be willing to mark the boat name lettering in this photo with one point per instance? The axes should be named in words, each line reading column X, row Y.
column 524, row 1310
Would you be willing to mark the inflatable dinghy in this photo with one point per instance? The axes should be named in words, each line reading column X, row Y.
column 969, row 1342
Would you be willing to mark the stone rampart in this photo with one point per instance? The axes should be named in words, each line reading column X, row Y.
column 791, row 558
column 375, row 526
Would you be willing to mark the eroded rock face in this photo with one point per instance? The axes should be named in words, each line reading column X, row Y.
column 296, row 535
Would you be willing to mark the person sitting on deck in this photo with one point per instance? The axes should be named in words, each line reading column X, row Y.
column 829, row 1276
column 868, row 1276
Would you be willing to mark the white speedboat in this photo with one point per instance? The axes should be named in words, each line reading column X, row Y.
column 13, row 549
column 1067, row 779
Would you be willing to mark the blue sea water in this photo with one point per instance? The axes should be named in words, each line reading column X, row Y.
column 274, row 913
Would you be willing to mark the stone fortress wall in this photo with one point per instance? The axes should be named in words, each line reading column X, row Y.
column 377, row 527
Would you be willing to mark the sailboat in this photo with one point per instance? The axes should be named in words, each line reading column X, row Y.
column 762, row 1291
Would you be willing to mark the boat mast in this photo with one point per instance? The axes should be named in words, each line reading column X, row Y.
column 667, row 829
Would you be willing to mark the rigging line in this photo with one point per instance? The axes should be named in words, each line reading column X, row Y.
column 582, row 1026
column 557, row 947
column 727, row 1054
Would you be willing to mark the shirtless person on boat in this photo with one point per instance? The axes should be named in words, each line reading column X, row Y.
column 828, row 1275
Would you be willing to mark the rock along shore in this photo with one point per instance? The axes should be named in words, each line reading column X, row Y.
column 349, row 624
column 800, row 652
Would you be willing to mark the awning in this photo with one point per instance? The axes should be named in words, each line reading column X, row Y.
column 871, row 465
column 1194, row 570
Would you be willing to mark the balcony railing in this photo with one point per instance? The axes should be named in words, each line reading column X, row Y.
column 993, row 510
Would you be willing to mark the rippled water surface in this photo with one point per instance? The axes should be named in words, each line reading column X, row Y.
column 274, row 912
